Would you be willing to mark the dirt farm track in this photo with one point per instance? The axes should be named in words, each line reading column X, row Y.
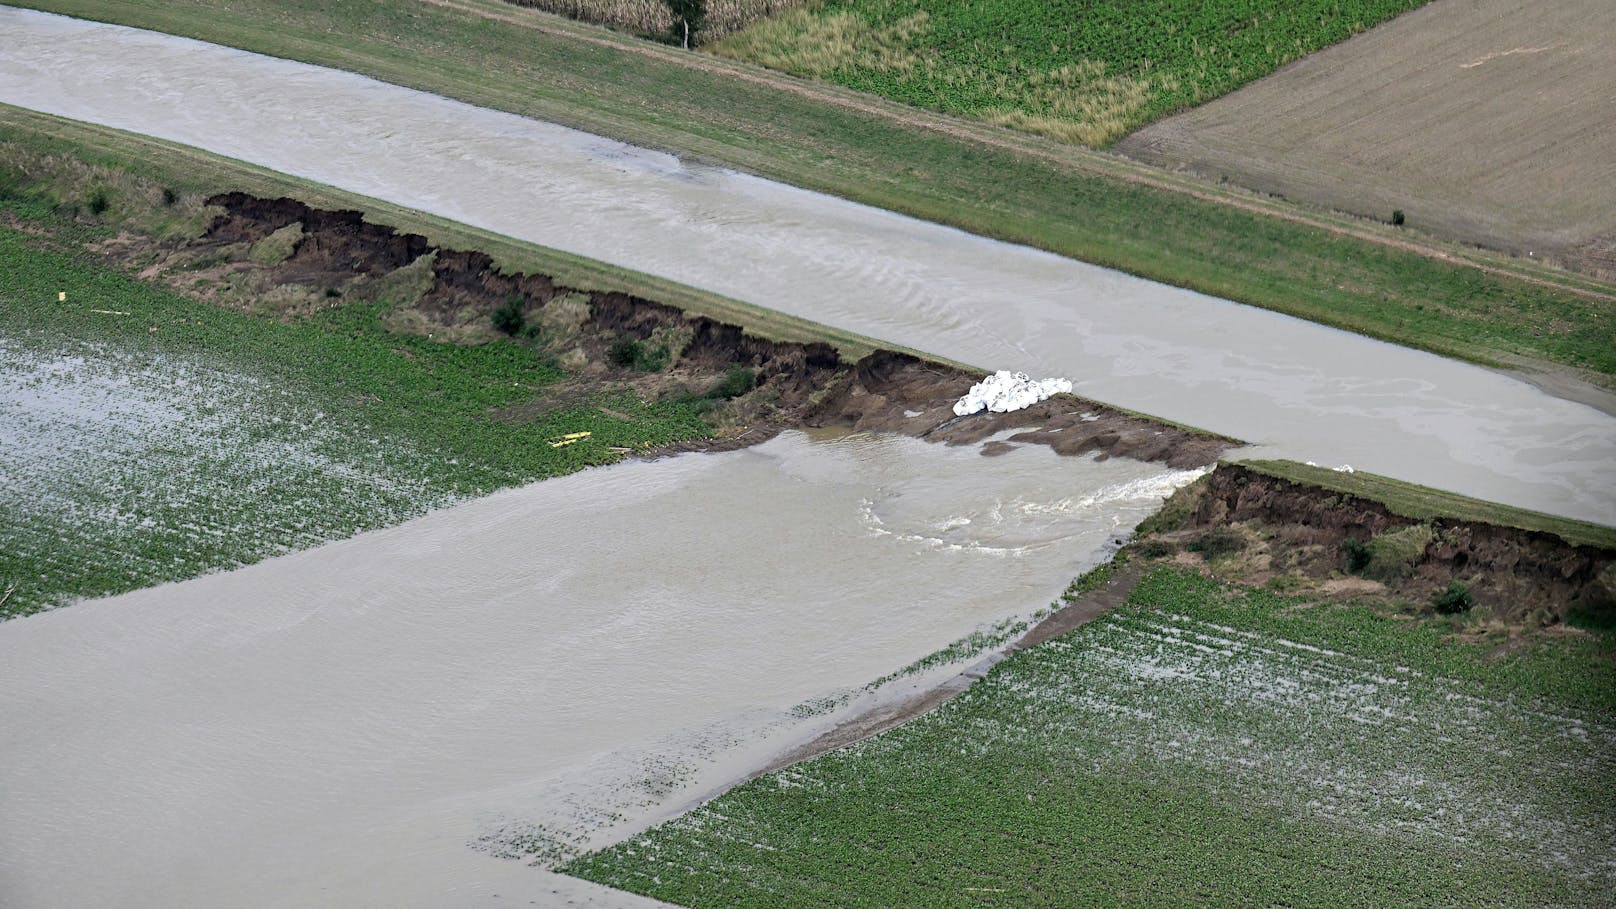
column 1486, row 121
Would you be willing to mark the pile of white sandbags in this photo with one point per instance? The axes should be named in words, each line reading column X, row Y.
column 1005, row 391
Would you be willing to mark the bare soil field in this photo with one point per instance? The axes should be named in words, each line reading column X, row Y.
column 1486, row 121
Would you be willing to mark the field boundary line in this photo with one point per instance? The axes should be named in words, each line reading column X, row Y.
column 1112, row 166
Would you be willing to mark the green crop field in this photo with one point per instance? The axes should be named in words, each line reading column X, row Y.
column 1085, row 72
column 1204, row 745
column 147, row 437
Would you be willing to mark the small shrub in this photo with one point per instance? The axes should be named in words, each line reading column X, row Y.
column 1358, row 556
column 508, row 318
column 331, row 293
column 1454, row 600
column 99, row 202
column 687, row 19
column 1156, row 549
column 1398, row 218
column 624, row 352
column 627, row 352
column 737, row 382
column 1594, row 615
column 1219, row 541
column 170, row 197
column 1394, row 554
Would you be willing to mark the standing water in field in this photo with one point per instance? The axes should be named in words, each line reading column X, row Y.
column 1295, row 389
column 364, row 723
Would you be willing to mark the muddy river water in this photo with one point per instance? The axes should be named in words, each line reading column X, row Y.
column 376, row 721
column 1293, row 388
column 363, row 723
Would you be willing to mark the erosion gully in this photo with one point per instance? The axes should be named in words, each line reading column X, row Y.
column 386, row 720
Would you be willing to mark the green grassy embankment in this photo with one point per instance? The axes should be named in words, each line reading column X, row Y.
column 1077, row 72
column 1361, row 277
column 1423, row 503
column 1205, row 745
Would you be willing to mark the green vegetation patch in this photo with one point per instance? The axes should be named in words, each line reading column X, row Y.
column 1203, row 746
column 1393, row 555
column 151, row 438
column 1085, row 71
column 1425, row 504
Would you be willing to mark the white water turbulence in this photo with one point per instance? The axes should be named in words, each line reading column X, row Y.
column 1293, row 388
column 373, row 721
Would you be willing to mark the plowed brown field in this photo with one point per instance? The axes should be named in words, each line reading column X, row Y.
column 1487, row 121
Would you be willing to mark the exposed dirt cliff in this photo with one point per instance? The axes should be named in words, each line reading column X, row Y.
column 265, row 249
column 1272, row 530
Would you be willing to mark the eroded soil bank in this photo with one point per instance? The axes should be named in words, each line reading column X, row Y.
column 1253, row 527
column 1302, row 391
column 1240, row 524
column 285, row 259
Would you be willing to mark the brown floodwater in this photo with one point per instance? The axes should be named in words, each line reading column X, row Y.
column 370, row 722
column 1293, row 388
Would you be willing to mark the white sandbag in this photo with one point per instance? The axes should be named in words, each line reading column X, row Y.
column 1006, row 391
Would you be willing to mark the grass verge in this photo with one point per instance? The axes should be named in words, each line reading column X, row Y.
column 1423, row 503
column 1202, row 746
column 1093, row 207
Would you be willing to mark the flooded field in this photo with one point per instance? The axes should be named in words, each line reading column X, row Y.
column 1202, row 746
column 369, row 721
column 94, row 436
column 1295, row 389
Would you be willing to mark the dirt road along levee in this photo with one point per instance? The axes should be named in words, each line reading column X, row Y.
column 1485, row 121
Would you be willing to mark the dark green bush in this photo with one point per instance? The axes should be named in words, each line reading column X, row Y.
column 627, row 352
column 1398, row 217
column 624, row 352
column 687, row 19
column 1219, row 541
column 1358, row 556
column 739, row 381
column 508, row 318
column 1594, row 615
column 99, row 202
column 1454, row 600
column 170, row 196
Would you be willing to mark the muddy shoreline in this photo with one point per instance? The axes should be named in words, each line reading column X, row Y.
column 1076, row 613
column 1522, row 581
column 302, row 260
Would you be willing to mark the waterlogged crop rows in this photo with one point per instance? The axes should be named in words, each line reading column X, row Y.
column 147, row 438
column 1180, row 752
column 1081, row 72
column 124, row 468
